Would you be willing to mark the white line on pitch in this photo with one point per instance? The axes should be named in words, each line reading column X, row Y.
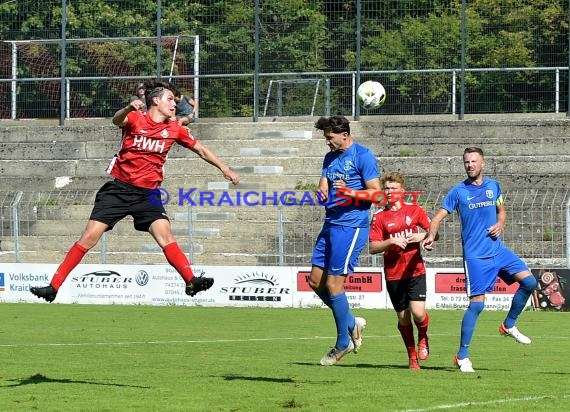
column 167, row 342
column 490, row 402
column 164, row 342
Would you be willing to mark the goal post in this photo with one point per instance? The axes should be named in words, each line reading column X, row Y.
column 292, row 96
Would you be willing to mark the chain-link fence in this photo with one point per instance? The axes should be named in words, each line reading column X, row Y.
column 41, row 226
column 83, row 58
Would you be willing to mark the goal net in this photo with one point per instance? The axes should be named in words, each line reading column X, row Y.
column 297, row 97
column 101, row 73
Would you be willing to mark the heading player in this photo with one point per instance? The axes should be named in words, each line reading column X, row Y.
column 395, row 233
column 138, row 171
column 479, row 203
column 352, row 169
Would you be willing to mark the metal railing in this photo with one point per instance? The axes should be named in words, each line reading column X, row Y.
column 304, row 97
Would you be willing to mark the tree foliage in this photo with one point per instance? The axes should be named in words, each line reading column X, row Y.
column 307, row 36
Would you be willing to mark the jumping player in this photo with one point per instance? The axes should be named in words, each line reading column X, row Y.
column 479, row 202
column 394, row 231
column 138, row 171
column 349, row 171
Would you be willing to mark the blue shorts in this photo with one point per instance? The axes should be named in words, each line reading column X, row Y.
column 338, row 248
column 481, row 274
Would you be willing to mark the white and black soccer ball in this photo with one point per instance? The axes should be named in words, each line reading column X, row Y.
column 371, row 94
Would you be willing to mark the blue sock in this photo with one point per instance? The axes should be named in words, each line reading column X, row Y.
column 341, row 310
column 468, row 327
column 325, row 296
column 350, row 320
column 526, row 287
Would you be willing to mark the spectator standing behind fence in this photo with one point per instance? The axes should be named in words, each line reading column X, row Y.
column 479, row 203
column 395, row 233
column 140, row 95
column 186, row 108
column 350, row 170
column 138, row 173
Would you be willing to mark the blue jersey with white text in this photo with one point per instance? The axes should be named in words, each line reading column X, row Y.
column 355, row 166
column 477, row 209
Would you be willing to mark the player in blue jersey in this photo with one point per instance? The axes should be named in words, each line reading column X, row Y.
column 479, row 203
column 349, row 177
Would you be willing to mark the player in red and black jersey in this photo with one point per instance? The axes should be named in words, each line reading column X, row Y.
column 394, row 231
column 138, row 172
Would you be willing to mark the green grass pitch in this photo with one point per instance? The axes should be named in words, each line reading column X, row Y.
column 142, row 358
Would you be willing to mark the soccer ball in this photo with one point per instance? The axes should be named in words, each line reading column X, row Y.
column 371, row 94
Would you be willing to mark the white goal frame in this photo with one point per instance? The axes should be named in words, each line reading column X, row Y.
column 14, row 65
column 280, row 84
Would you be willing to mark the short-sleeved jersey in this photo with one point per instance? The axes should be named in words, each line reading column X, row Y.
column 144, row 147
column 477, row 209
column 355, row 166
column 400, row 263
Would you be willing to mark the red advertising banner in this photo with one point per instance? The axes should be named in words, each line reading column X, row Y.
column 370, row 281
column 455, row 283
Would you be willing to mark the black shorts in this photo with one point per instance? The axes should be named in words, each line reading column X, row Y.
column 402, row 291
column 116, row 200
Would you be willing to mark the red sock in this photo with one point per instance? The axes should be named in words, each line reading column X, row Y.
column 407, row 332
column 423, row 327
column 71, row 260
column 178, row 260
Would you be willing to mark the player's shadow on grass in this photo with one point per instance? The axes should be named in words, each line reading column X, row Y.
column 377, row 366
column 39, row 378
column 234, row 377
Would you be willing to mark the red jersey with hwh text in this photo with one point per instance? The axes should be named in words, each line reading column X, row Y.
column 400, row 263
column 144, row 146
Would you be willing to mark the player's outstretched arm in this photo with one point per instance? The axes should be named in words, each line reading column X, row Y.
column 120, row 117
column 211, row 158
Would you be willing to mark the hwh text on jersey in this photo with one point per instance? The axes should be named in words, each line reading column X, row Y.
column 403, row 233
column 152, row 145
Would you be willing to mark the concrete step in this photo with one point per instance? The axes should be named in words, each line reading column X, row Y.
column 49, row 183
column 106, row 131
column 48, row 134
column 94, row 183
column 234, row 259
column 249, row 228
column 383, row 145
column 125, row 227
column 467, row 129
column 42, row 150
column 283, row 134
column 276, row 152
column 553, row 164
column 139, row 248
column 64, row 150
column 395, row 146
column 373, row 126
